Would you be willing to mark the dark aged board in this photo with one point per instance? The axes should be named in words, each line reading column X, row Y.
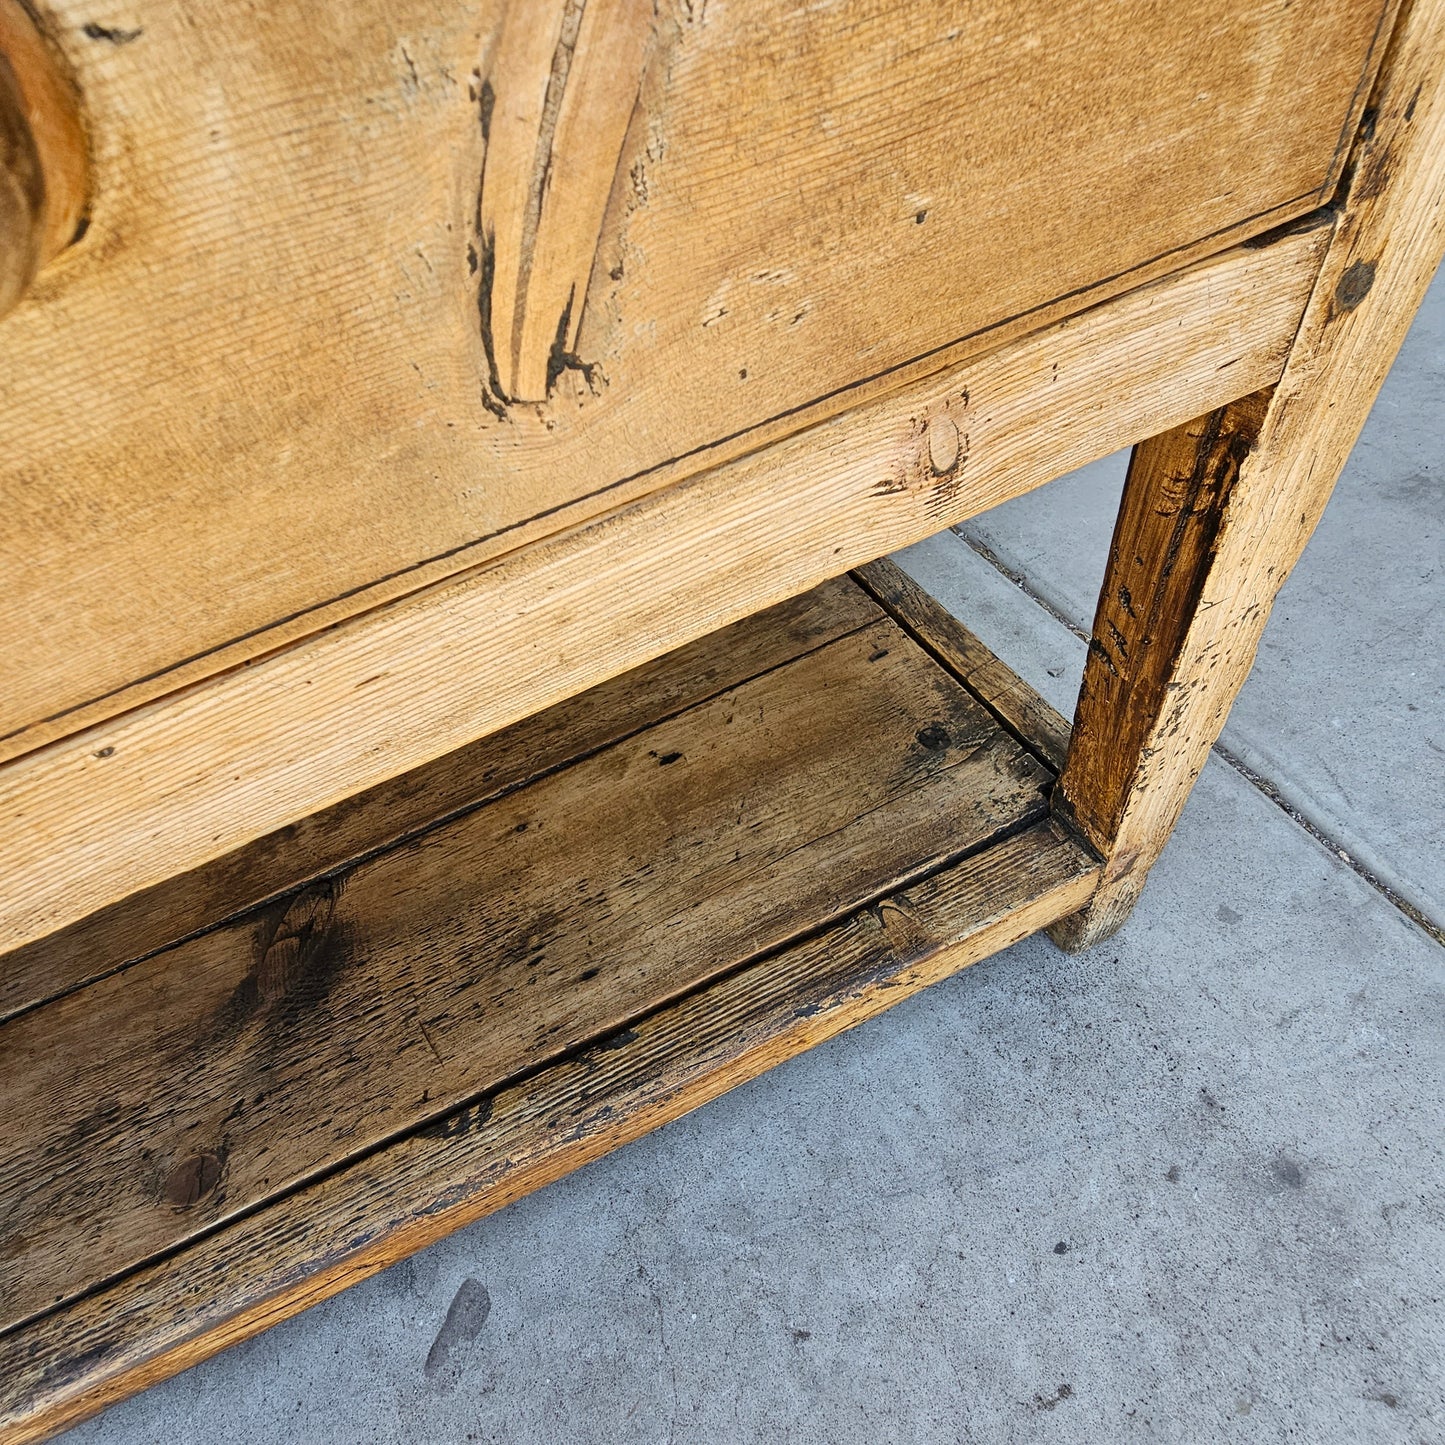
column 808, row 797
column 382, row 291
column 770, row 779
column 499, row 763
column 336, row 1231
column 519, row 930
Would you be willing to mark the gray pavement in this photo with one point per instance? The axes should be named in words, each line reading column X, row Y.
column 1186, row 1187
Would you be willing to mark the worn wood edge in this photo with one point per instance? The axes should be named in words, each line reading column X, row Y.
column 338, row 838
column 172, row 1314
column 187, row 778
column 457, row 563
column 1020, row 710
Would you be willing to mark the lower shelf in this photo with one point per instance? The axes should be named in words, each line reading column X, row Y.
column 237, row 1093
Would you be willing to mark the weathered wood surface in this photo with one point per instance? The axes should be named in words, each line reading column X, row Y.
column 1159, row 684
column 267, row 390
column 216, row 1074
column 1176, row 500
column 1016, row 705
column 161, row 790
column 499, row 763
column 608, row 921
column 338, row 1230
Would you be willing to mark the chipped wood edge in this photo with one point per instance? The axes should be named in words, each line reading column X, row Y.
column 330, row 1234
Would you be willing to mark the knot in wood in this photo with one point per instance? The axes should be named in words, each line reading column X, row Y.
column 943, row 444
column 193, row 1180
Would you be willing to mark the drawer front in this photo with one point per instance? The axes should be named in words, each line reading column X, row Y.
column 371, row 293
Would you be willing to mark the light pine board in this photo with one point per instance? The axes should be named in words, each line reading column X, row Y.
column 266, row 390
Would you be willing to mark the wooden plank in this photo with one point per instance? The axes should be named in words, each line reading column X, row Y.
column 339, row 1229
column 147, row 921
column 1158, row 687
column 236, row 1065
column 1017, row 706
column 120, row 807
column 276, row 328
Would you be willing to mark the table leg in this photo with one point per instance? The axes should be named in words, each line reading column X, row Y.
column 1216, row 513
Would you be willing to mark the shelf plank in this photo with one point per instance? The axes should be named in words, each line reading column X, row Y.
column 235, row 1065
column 341, row 1228
column 579, row 929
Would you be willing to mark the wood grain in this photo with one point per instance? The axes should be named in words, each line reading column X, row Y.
column 236, row 1065
column 560, row 90
column 145, row 922
column 256, row 399
column 168, row 787
column 1265, row 476
column 1012, row 701
column 42, row 155
column 337, row 1230
column 1177, row 495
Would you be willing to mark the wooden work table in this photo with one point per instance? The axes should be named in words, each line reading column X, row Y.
column 452, row 715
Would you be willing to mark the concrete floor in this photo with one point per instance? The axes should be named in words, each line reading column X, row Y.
column 1184, row 1188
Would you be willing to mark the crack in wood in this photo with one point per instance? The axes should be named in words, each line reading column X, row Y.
column 557, row 102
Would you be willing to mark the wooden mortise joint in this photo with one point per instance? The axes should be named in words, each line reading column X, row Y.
column 42, row 155
column 556, row 102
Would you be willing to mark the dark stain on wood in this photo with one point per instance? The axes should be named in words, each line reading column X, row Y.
column 1017, row 708
column 1354, row 285
column 111, row 34
column 569, row 886
column 462, row 1123
column 301, row 949
column 370, row 1210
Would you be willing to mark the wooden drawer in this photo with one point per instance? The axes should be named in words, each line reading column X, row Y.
column 370, row 294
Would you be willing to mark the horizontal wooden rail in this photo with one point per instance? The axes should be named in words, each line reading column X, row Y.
column 93, row 817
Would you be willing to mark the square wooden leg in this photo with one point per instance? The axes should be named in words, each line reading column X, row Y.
column 1215, row 513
